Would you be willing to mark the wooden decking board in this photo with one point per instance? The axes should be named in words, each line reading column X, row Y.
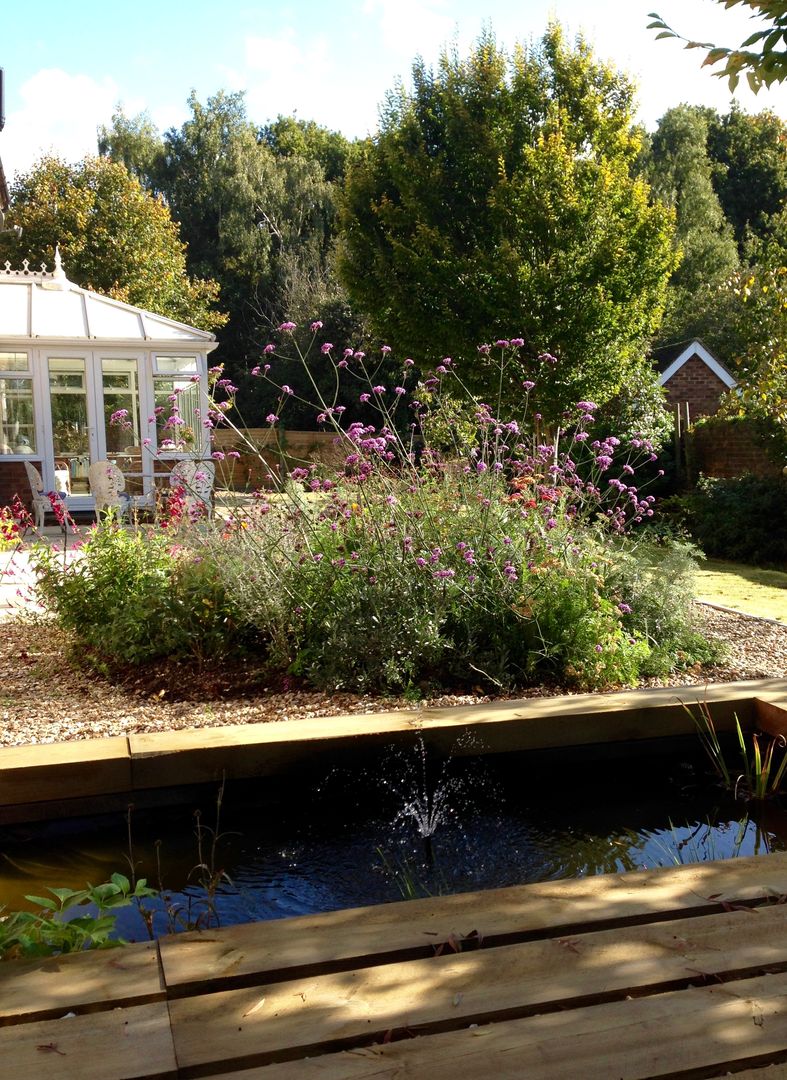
column 81, row 982
column 684, row 1034
column 133, row 1043
column 258, row 953
column 310, row 1016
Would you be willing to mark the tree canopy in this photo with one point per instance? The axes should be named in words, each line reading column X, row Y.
column 499, row 199
column 115, row 237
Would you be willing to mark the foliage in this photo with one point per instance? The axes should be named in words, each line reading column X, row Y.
column 288, row 136
column 762, row 66
column 494, row 562
column 680, row 172
column 758, row 308
column 758, row 777
column 130, row 597
column 749, row 154
column 257, row 212
column 113, row 236
column 54, row 929
column 499, row 193
column 743, row 520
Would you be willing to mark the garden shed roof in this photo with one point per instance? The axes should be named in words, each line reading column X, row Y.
column 38, row 305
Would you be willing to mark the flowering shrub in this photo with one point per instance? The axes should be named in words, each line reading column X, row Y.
column 10, row 531
column 492, row 561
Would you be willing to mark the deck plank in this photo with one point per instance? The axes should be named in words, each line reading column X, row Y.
column 667, row 1035
column 81, row 982
column 318, row 1014
column 123, row 1044
column 279, row 949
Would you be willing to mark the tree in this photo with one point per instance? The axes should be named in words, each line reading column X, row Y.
column 136, row 143
column 288, row 136
column 497, row 200
column 680, row 172
column 750, row 173
column 762, row 66
column 115, row 238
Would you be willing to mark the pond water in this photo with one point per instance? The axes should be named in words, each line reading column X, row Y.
column 399, row 825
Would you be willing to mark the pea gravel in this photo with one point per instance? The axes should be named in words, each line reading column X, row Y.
column 44, row 699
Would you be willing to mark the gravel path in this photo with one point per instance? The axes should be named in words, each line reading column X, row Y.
column 43, row 699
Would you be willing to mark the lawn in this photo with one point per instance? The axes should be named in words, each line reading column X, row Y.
column 744, row 588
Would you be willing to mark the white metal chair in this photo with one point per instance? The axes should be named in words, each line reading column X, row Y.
column 108, row 487
column 41, row 503
column 196, row 478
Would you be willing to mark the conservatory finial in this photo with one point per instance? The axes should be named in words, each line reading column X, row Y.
column 58, row 279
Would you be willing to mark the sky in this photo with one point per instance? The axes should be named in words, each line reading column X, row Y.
column 67, row 66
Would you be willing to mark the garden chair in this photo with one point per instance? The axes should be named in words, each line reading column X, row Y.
column 41, row 503
column 107, row 486
column 196, row 478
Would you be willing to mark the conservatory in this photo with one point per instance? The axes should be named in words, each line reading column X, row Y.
column 84, row 378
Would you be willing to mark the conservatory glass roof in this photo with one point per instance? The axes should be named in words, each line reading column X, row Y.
column 38, row 305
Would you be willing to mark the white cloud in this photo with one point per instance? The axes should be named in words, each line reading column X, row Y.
column 60, row 113
column 410, row 27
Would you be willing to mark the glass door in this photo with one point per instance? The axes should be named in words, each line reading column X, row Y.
column 73, row 434
column 120, row 438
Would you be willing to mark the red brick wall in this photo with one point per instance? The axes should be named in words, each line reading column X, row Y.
column 697, row 384
column 730, row 449
column 13, row 481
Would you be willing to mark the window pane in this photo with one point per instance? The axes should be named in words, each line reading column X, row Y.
column 69, row 407
column 178, row 428
column 17, row 428
column 183, row 364
column 14, row 361
column 121, row 404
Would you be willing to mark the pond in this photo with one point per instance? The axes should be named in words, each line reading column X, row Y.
column 397, row 825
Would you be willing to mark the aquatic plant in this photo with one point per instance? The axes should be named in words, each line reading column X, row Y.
column 757, row 775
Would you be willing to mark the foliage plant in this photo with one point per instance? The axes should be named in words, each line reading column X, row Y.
column 132, row 596
column 498, row 561
column 48, row 931
column 742, row 519
column 760, row 771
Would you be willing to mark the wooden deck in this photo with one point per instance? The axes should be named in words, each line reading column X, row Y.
column 668, row 973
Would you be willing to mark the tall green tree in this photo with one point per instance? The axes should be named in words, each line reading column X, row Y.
column 499, row 199
column 750, row 171
column 680, row 172
column 114, row 237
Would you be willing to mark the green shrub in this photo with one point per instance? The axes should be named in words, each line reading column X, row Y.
column 132, row 597
column 742, row 520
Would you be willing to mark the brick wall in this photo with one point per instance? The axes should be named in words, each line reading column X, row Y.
column 248, row 472
column 13, row 481
column 697, row 384
column 729, row 449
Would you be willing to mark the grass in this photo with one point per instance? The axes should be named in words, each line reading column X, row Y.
column 744, row 588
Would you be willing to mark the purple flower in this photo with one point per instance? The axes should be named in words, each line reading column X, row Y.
column 518, row 342
column 269, row 349
column 408, row 362
column 624, row 608
column 271, row 418
column 217, row 455
column 326, row 347
column 502, row 343
column 528, row 385
column 288, row 326
column 287, row 389
column 385, row 348
column 365, row 397
column 315, row 326
column 586, row 406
